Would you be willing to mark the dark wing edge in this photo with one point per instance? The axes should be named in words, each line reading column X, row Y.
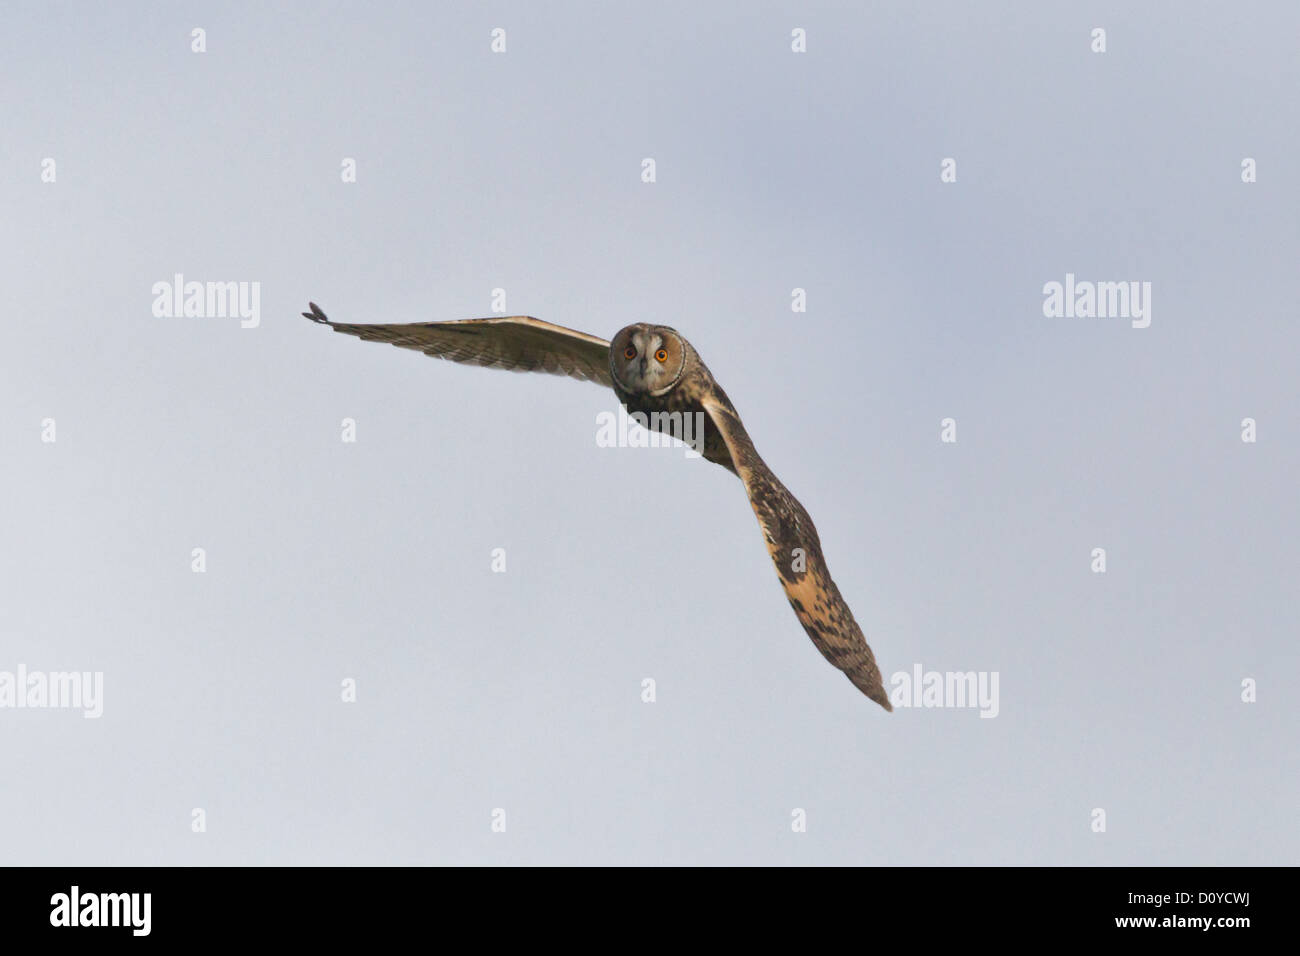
column 517, row 343
column 788, row 529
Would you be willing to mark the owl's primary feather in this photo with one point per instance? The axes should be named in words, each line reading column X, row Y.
column 653, row 369
column 517, row 343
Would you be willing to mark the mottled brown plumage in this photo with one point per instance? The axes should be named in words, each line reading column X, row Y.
column 796, row 552
column 516, row 343
column 651, row 368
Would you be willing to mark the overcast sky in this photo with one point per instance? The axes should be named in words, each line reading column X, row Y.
column 328, row 561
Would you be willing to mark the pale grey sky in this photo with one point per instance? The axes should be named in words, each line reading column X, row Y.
column 522, row 691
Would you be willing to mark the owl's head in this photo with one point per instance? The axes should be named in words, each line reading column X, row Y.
column 648, row 359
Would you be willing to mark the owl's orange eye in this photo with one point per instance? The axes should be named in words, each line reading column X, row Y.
column 629, row 353
column 662, row 355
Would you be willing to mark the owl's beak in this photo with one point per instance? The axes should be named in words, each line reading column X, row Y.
column 643, row 365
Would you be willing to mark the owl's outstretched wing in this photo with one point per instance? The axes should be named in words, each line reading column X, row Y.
column 797, row 553
column 518, row 343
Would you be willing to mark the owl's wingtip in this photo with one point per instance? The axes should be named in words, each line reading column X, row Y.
column 316, row 315
column 877, row 693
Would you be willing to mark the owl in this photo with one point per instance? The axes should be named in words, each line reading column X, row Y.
column 653, row 369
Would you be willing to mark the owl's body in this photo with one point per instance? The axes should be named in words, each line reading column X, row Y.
column 686, row 397
column 651, row 369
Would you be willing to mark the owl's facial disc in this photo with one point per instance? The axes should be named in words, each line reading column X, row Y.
column 647, row 360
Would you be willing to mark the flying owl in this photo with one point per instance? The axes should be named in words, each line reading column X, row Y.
column 651, row 368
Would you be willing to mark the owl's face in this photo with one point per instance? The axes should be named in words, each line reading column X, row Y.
column 647, row 359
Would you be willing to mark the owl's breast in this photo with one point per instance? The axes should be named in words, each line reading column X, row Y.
column 684, row 400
